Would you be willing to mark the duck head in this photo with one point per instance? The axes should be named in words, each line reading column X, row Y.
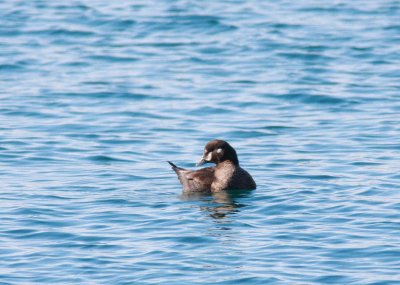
column 218, row 151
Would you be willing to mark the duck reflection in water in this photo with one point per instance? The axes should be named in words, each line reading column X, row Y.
column 222, row 203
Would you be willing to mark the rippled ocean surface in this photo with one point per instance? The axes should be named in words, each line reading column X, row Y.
column 95, row 96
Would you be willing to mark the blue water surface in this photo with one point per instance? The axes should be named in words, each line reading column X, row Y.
column 96, row 95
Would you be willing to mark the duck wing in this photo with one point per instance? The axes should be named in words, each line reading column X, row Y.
column 195, row 180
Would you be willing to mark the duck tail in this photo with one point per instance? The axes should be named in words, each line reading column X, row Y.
column 173, row 165
column 175, row 168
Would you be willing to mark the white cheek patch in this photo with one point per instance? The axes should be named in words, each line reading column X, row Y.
column 219, row 150
column 209, row 156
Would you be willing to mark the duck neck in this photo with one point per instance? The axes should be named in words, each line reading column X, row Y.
column 229, row 161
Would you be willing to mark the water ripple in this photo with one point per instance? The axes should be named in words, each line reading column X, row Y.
column 95, row 97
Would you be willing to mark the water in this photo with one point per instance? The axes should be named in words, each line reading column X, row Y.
column 95, row 96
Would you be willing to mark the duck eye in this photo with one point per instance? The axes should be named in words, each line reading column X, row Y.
column 219, row 150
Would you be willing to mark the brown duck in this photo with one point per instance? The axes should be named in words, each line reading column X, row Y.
column 226, row 175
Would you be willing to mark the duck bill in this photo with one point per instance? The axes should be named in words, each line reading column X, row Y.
column 201, row 162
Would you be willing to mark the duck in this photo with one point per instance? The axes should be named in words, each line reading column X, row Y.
column 225, row 175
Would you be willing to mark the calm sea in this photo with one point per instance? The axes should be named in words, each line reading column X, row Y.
column 96, row 95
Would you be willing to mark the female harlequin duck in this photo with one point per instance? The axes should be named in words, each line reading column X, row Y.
column 227, row 174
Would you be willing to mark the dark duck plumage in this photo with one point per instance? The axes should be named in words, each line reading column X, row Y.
column 227, row 174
